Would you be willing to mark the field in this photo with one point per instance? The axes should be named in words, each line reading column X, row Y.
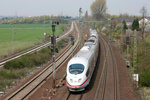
column 21, row 36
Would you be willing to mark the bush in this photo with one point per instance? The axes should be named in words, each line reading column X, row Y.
column 7, row 75
column 14, row 64
column 29, row 60
column 34, row 59
column 7, row 78
column 4, row 83
column 145, row 78
column 19, row 67
column 143, row 62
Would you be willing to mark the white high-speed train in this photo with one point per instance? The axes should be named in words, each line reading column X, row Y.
column 81, row 67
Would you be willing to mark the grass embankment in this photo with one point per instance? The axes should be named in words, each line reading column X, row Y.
column 147, row 93
column 21, row 67
column 24, row 35
column 143, row 62
column 143, row 65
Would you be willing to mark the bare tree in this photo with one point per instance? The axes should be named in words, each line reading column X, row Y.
column 98, row 9
column 143, row 11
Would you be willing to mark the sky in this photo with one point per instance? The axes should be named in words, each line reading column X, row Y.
column 67, row 7
column 131, row 7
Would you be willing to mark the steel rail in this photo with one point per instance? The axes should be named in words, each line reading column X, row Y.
column 67, row 98
column 114, row 70
column 69, row 95
column 46, row 73
column 103, row 70
column 34, row 48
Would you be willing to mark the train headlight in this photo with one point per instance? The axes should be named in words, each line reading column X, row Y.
column 79, row 80
column 71, row 80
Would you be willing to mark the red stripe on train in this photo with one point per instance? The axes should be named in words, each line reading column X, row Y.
column 77, row 85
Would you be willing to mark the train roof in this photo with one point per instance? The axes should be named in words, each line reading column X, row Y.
column 86, row 51
column 78, row 60
column 93, row 33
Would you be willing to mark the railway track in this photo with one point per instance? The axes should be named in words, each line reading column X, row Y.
column 105, row 75
column 35, row 48
column 31, row 85
column 74, row 96
column 104, row 86
column 103, row 70
column 104, row 83
column 100, row 84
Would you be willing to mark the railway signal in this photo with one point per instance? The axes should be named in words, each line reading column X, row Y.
column 72, row 40
column 53, row 41
column 55, row 23
column 72, row 43
column 127, row 43
column 127, row 40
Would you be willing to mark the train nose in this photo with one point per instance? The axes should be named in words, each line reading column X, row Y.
column 71, row 80
column 79, row 80
column 74, row 80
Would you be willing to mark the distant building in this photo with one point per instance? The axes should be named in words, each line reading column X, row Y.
column 129, row 20
column 146, row 21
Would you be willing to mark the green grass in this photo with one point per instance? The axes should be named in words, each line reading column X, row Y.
column 147, row 39
column 143, row 62
column 146, row 93
column 25, row 35
column 6, row 47
column 8, row 77
column 22, row 66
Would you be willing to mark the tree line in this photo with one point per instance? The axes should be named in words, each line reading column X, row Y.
column 35, row 20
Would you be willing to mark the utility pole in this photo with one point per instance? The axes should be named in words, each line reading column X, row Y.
column 135, row 76
column 44, row 24
column 121, row 39
column 80, row 25
column 80, row 13
column 12, row 37
column 44, row 29
column 53, row 39
column 111, row 33
column 135, row 49
column 109, row 27
column 127, row 43
column 143, row 12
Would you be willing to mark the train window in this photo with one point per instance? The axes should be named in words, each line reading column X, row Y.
column 91, row 41
column 93, row 36
column 76, row 69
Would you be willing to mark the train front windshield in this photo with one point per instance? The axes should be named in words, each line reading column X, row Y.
column 76, row 69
